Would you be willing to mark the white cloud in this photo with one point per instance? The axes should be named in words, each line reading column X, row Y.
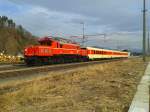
column 62, row 18
column 42, row 21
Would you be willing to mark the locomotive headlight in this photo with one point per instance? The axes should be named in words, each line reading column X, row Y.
column 25, row 50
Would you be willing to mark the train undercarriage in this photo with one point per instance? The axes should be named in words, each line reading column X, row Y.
column 57, row 59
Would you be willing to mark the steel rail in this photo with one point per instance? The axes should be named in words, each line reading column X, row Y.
column 49, row 68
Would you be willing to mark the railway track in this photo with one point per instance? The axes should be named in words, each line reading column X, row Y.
column 26, row 75
column 15, row 71
column 11, row 66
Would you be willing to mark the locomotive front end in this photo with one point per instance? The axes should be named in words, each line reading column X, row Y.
column 36, row 55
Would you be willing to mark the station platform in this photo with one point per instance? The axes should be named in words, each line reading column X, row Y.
column 141, row 101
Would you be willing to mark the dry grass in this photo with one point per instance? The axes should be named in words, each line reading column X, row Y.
column 98, row 88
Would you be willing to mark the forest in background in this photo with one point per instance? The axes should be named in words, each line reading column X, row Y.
column 14, row 38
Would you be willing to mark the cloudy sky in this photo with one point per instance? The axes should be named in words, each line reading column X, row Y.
column 121, row 20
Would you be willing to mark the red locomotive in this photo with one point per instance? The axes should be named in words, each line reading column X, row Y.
column 52, row 50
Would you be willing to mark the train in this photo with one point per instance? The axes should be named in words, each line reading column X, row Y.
column 58, row 50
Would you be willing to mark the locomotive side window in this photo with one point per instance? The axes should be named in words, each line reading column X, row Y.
column 49, row 43
column 41, row 43
column 57, row 45
column 61, row 45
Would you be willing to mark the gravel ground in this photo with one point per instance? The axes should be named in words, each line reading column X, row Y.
column 98, row 88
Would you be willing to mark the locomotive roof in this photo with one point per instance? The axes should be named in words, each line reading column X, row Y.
column 59, row 39
column 93, row 48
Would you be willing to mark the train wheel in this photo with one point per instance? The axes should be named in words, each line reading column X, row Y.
column 37, row 61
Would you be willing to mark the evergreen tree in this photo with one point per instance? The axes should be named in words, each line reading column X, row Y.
column 4, row 21
column 10, row 23
column 0, row 21
column 14, row 25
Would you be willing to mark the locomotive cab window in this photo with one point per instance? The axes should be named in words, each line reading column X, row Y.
column 47, row 43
